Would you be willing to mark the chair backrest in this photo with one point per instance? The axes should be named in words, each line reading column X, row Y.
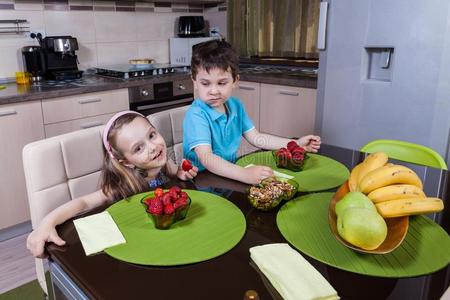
column 409, row 152
column 169, row 123
column 64, row 167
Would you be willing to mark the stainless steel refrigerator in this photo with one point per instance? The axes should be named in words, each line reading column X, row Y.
column 384, row 72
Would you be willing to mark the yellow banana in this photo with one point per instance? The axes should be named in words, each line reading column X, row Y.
column 388, row 175
column 407, row 207
column 395, row 191
column 373, row 161
column 353, row 179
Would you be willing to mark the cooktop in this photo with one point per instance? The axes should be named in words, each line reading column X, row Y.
column 127, row 71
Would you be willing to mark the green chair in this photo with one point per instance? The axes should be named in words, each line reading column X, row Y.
column 409, row 152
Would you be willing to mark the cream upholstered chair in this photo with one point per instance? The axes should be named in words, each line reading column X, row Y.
column 64, row 167
column 169, row 123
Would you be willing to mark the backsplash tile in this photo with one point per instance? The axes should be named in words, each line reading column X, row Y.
column 108, row 32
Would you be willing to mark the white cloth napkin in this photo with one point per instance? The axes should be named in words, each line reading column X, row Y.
column 98, row 232
column 276, row 173
column 291, row 274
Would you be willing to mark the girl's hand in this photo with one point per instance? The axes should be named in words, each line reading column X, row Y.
column 186, row 175
column 37, row 239
column 311, row 143
column 254, row 174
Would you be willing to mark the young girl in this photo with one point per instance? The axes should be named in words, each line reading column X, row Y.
column 135, row 160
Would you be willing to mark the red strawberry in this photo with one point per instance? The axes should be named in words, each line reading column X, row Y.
column 186, row 165
column 298, row 150
column 292, row 145
column 148, row 200
column 169, row 209
column 180, row 203
column 283, row 150
column 156, row 207
column 159, row 192
column 176, row 190
column 298, row 157
column 167, row 199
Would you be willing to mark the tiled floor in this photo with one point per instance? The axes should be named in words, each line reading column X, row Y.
column 16, row 263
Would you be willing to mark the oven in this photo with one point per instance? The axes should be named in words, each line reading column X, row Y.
column 158, row 96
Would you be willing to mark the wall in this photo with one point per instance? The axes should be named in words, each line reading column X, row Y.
column 107, row 32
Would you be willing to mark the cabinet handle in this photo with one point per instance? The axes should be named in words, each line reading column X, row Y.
column 89, row 101
column 289, row 93
column 245, row 87
column 91, row 124
column 7, row 113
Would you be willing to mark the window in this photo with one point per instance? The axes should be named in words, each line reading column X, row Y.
column 274, row 28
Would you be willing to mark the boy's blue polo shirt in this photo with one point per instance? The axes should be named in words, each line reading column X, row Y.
column 203, row 125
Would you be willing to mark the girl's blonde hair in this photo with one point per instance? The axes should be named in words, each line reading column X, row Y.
column 119, row 181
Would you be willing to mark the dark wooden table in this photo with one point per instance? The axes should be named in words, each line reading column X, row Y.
column 229, row 276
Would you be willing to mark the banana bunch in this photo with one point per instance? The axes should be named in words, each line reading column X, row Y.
column 394, row 189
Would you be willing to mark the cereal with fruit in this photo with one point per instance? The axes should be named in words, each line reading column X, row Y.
column 167, row 207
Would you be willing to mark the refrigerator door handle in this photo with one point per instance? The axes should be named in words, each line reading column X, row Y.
column 321, row 33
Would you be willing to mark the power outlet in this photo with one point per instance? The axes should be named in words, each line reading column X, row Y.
column 36, row 31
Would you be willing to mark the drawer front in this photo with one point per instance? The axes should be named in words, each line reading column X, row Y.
column 72, row 125
column 84, row 105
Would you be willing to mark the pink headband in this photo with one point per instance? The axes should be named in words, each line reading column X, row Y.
column 108, row 126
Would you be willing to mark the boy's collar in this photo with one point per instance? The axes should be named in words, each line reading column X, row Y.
column 214, row 114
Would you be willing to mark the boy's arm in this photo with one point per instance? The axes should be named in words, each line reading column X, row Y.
column 271, row 142
column 46, row 232
column 220, row 166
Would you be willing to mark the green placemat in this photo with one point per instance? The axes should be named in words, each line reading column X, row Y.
column 303, row 221
column 319, row 172
column 212, row 226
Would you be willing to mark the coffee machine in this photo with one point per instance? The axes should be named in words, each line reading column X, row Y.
column 61, row 60
column 54, row 59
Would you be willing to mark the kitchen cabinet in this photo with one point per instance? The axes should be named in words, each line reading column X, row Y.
column 66, row 114
column 249, row 94
column 20, row 124
column 287, row 111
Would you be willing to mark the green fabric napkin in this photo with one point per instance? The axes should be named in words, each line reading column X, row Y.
column 98, row 232
column 291, row 274
column 276, row 173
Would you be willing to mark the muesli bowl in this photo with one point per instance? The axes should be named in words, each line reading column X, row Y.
column 167, row 208
column 269, row 193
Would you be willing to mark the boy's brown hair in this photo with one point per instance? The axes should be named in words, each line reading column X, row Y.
column 214, row 54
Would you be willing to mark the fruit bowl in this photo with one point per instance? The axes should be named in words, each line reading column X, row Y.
column 165, row 217
column 270, row 192
column 397, row 227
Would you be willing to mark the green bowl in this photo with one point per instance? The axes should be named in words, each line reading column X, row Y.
column 271, row 204
column 289, row 164
column 165, row 221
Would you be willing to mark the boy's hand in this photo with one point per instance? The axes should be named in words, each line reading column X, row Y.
column 311, row 143
column 186, row 171
column 254, row 174
column 37, row 239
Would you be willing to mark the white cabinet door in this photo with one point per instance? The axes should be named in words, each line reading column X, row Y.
column 20, row 124
column 249, row 94
column 287, row 111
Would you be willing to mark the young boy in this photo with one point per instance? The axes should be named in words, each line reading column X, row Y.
column 216, row 121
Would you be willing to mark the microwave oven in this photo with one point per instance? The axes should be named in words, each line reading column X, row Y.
column 181, row 49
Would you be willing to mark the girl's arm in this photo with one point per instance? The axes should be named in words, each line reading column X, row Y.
column 311, row 143
column 220, row 166
column 46, row 232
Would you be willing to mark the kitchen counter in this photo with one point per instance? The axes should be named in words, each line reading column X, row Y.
column 88, row 84
column 93, row 83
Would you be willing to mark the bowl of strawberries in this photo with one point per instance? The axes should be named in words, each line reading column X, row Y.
column 292, row 157
column 167, row 207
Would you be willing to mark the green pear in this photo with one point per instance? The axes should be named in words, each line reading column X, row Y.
column 354, row 199
column 362, row 227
